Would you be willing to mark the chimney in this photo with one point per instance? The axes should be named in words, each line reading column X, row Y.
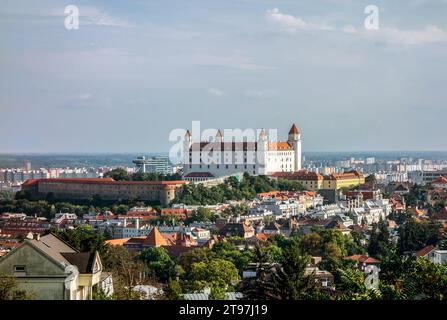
column 137, row 223
column 36, row 236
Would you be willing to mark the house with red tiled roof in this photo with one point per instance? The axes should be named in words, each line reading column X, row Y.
column 363, row 261
column 436, row 195
column 440, row 182
column 426, row 252
column 441, row 215
column 175, row 243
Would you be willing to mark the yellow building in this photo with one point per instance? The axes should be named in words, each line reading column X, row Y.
column 348, row 179
column 314, row 181
column 310, row 180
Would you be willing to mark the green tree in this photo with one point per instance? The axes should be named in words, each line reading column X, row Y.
column 9, row 289
column 217, row 274
column 159, row 262
column 173, row 291
column 289, row 280
column 379, row 242
column 118, row 174
column 414, row 235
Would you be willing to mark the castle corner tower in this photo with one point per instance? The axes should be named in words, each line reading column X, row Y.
column 295, row 141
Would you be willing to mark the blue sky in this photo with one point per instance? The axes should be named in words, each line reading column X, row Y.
column 137, row 69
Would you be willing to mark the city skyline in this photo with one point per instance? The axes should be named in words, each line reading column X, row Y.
column 134, row 71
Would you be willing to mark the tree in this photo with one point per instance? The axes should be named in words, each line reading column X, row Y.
column 187, row 259
column 9, row 289
column 173, row 291
column 6, row 195
column 311, row 243
column 414, row 235
column 371, row 179
column 259, row 287
column 203, row 215
column 118, row 174
column 429, row 279
column 127, row 272
column 352, row 285
column 379, row 243
column 289, row 279
column 217, row 274
column 159, row 262
column 83, row 238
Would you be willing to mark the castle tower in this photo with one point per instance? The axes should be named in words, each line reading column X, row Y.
column 295, row 141
column 219, row 136
column 262, row 152
column 187, row 143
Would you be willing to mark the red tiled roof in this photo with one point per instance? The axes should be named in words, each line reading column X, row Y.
column 424, row 251
column 199, row 175
column 298, row 175
column 441, row 180
column 30, row 182
column 280, row 145
column 155, row 239
column 294, row 130
column 362, row 258
column 441, row 215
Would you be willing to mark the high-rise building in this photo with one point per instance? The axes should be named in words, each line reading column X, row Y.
column 159, row 164
column 27, row 165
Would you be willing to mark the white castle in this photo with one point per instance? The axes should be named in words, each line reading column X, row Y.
column 208, row 160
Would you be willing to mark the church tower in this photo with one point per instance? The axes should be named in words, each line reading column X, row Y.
column 295, row 141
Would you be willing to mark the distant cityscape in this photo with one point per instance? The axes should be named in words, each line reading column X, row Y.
column 387, row 167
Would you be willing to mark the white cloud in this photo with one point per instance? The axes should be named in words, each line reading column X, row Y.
column 393, row 35
column 216, row 92
column 291, row 23
column 96, row 16
column 430, row 34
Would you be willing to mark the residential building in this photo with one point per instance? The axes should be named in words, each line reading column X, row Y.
column 52, row 270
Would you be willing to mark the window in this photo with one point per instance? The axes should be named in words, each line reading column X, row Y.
column 20, row 268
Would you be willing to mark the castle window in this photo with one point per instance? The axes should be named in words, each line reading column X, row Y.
column 226, row 166
column 235, row 166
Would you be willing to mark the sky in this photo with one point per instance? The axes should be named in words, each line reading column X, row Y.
column 135, row 70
